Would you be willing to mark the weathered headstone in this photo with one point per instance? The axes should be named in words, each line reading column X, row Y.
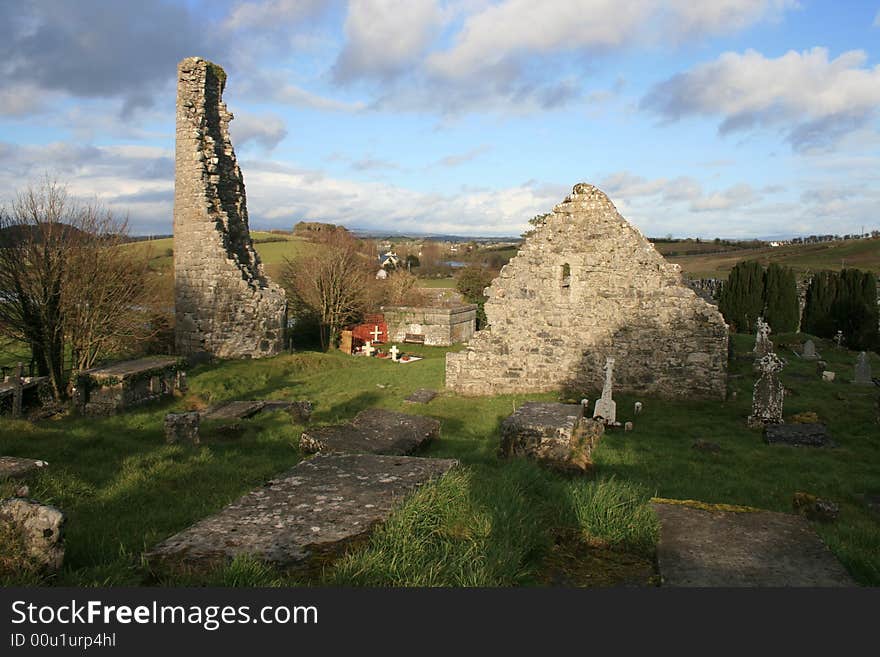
column 809, row 434
column 815, row 508
column 316, row 508
column 606, row 407
column 182, row 427
column 300, row 411
column 553, row 434
column 421, row 396
column 39, row 527
column 809, row 351
column 637, row 408
column 13, row 467
column 373, row 431
column 838, row 339
column 863, row 370
column 768, row 393
column 828, row 377
column 763, row 345
column 721, row 548
column 628, row 426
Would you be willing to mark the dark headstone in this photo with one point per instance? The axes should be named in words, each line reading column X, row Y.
column 812, row 434
column 722, row 548
column 373, row 431
column 316, row 508
column 421, row 396
column 553, row 434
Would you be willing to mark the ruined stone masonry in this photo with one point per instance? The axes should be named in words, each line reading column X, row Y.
column 224, row 303
column 586, row 286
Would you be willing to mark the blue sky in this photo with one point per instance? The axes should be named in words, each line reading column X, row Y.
column 732, row 118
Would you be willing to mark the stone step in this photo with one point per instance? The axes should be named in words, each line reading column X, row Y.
column 316, row 508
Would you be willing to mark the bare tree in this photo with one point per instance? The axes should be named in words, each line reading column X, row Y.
column 332, row 283
column 65, row 285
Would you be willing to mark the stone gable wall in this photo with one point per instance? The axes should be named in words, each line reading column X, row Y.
column 621, row 298
column 224, row 303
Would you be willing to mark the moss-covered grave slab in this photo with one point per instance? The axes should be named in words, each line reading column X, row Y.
column 14, row 467
column 314, row 509
column 373, row 431
column 711, row 546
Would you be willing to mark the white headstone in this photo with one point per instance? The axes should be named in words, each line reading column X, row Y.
column 369, row 348
column 828, row 376
column 638, row 408
column 628, row 426
column 863, row 370
column 376, row 333
column 606, row 407
column 394, row 351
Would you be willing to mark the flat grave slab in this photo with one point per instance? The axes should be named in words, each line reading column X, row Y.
column 708, row 547
column 373, row 431
column 123, row 369
column 14, row 467
column 314, row 509
column 811, row 434
column 241, row 410
column 421, row 396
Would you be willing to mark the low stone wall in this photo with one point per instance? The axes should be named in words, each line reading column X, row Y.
column 113, row 388
column 440, row 326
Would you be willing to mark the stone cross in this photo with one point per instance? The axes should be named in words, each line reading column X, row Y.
column 839, row 339
column 763, row 346
column 394, row 351
column 809, row 352
column 863, row 370
column 17, row 391
column 768, row 392
column 369, row 348
column 606, row 407
column 376, row 333
column 637, row 408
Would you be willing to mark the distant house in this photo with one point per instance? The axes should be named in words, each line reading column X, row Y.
column 389, row 260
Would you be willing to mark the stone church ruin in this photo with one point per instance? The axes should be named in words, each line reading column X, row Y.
column 587, row 286
column 225, row 305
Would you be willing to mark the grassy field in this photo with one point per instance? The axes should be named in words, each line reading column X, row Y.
column 492, row 522
column 858, row 254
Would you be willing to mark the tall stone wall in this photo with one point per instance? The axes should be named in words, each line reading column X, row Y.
column 224, row 303
column 584, row 286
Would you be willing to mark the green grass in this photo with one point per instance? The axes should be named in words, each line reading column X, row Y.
column 488, row 523
column 437, row 282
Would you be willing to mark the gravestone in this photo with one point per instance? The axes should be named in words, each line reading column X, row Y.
column 555, row 435
column 315, row 509
column 809, row 434
column 394, row 351
column 815, row 508
column 606, row 407
column 712, row 547
column 182, row 427
column 768, row 393
column 863, row 370
column 39, row 527
column 763, row 345
column 809, row 351
column 637, row 408
column 300, row 411
column 421, row 396
column 373, row 431
column 13, row 467
column 828, row 377
column 345, row 342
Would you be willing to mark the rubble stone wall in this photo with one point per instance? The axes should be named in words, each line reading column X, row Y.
column 224, row 303
column 587, row 285
column 440, row 326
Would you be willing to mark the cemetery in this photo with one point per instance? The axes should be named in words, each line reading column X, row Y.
column 606, row 428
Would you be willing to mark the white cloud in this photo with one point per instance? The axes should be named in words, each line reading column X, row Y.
column 385, row 37
column 877, row 20
column 271, row 14
column 815, row 99
column 267, row 130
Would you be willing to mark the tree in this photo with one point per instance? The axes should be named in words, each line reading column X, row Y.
column 742, row 298
column 843, row 301
column 331, row 284
column 64, row 283
column 471, row 283
column 781, row 305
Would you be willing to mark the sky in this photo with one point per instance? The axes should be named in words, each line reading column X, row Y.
column 731, row 118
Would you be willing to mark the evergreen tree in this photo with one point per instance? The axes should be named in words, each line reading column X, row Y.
column 854, row 311
column 742, row 298
column 821, row 296
column 781, row 308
